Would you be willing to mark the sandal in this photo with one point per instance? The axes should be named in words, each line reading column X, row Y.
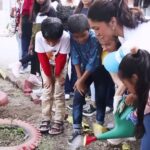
column 44, row 126
column 56, row 128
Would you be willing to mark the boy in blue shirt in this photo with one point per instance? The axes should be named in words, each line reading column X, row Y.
column 85, row 55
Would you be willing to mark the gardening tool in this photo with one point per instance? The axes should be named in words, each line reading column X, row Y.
column 123, row 128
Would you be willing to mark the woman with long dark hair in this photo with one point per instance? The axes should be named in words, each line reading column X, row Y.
column 114, row 18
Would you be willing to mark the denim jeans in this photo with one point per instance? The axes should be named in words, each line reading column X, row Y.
column 35, row 65
column 145, row 142
column 102, row 80
column 26, row 36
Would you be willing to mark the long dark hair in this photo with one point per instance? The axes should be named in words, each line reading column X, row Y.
column 44, row 8
column 138, row 64
column 104, row 10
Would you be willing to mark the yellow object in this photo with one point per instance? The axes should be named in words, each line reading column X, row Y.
column 104, row 53
column 3, row 74
column 98, row 129
column 125, row 146
column 70, row 119
column 84, row 125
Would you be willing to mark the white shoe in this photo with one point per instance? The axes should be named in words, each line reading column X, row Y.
column 24, row 70
column 67, row 96
column 108, row 109
column 38, row 92
column 15, row 69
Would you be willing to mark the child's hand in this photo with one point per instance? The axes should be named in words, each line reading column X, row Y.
column 130, row 99
column 30, row 49
column 80, row 86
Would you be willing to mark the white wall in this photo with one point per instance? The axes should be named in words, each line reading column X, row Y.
column 4, row 13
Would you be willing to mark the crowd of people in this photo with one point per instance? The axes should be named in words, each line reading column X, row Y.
column 77, row 49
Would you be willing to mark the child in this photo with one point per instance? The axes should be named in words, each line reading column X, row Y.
column 52, row 45
column 112, row 45
column 41, row 10
column 85, row 52
column 134, row 72
column 83, row 7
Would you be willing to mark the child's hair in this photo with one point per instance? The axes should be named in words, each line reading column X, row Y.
column 52, row 28
column 78, row 23
column 104, row 10
column 139, row 64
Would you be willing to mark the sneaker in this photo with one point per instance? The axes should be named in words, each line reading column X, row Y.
column 73, row 137
column 24, row 70
column 85, row 106
column 70, row 106
column 89, row 111
column 38, row 92
column 108, row 110
column 67, row 96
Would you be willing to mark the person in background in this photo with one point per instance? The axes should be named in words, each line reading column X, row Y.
column 52, row 45
column 26, row 29
column 15, row 12
column 83, row 7
column 41, row 10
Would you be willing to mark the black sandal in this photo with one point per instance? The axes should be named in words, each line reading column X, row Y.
column 44, row 126
column 56, row 128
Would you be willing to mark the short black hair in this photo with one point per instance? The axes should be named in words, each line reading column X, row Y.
column 78, row 23
column 52, row 28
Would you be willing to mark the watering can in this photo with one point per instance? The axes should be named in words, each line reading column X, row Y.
column 123, row 128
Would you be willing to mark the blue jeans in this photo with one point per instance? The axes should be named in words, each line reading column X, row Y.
column 102, row 81
column 145, row 143
column 26, row 36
